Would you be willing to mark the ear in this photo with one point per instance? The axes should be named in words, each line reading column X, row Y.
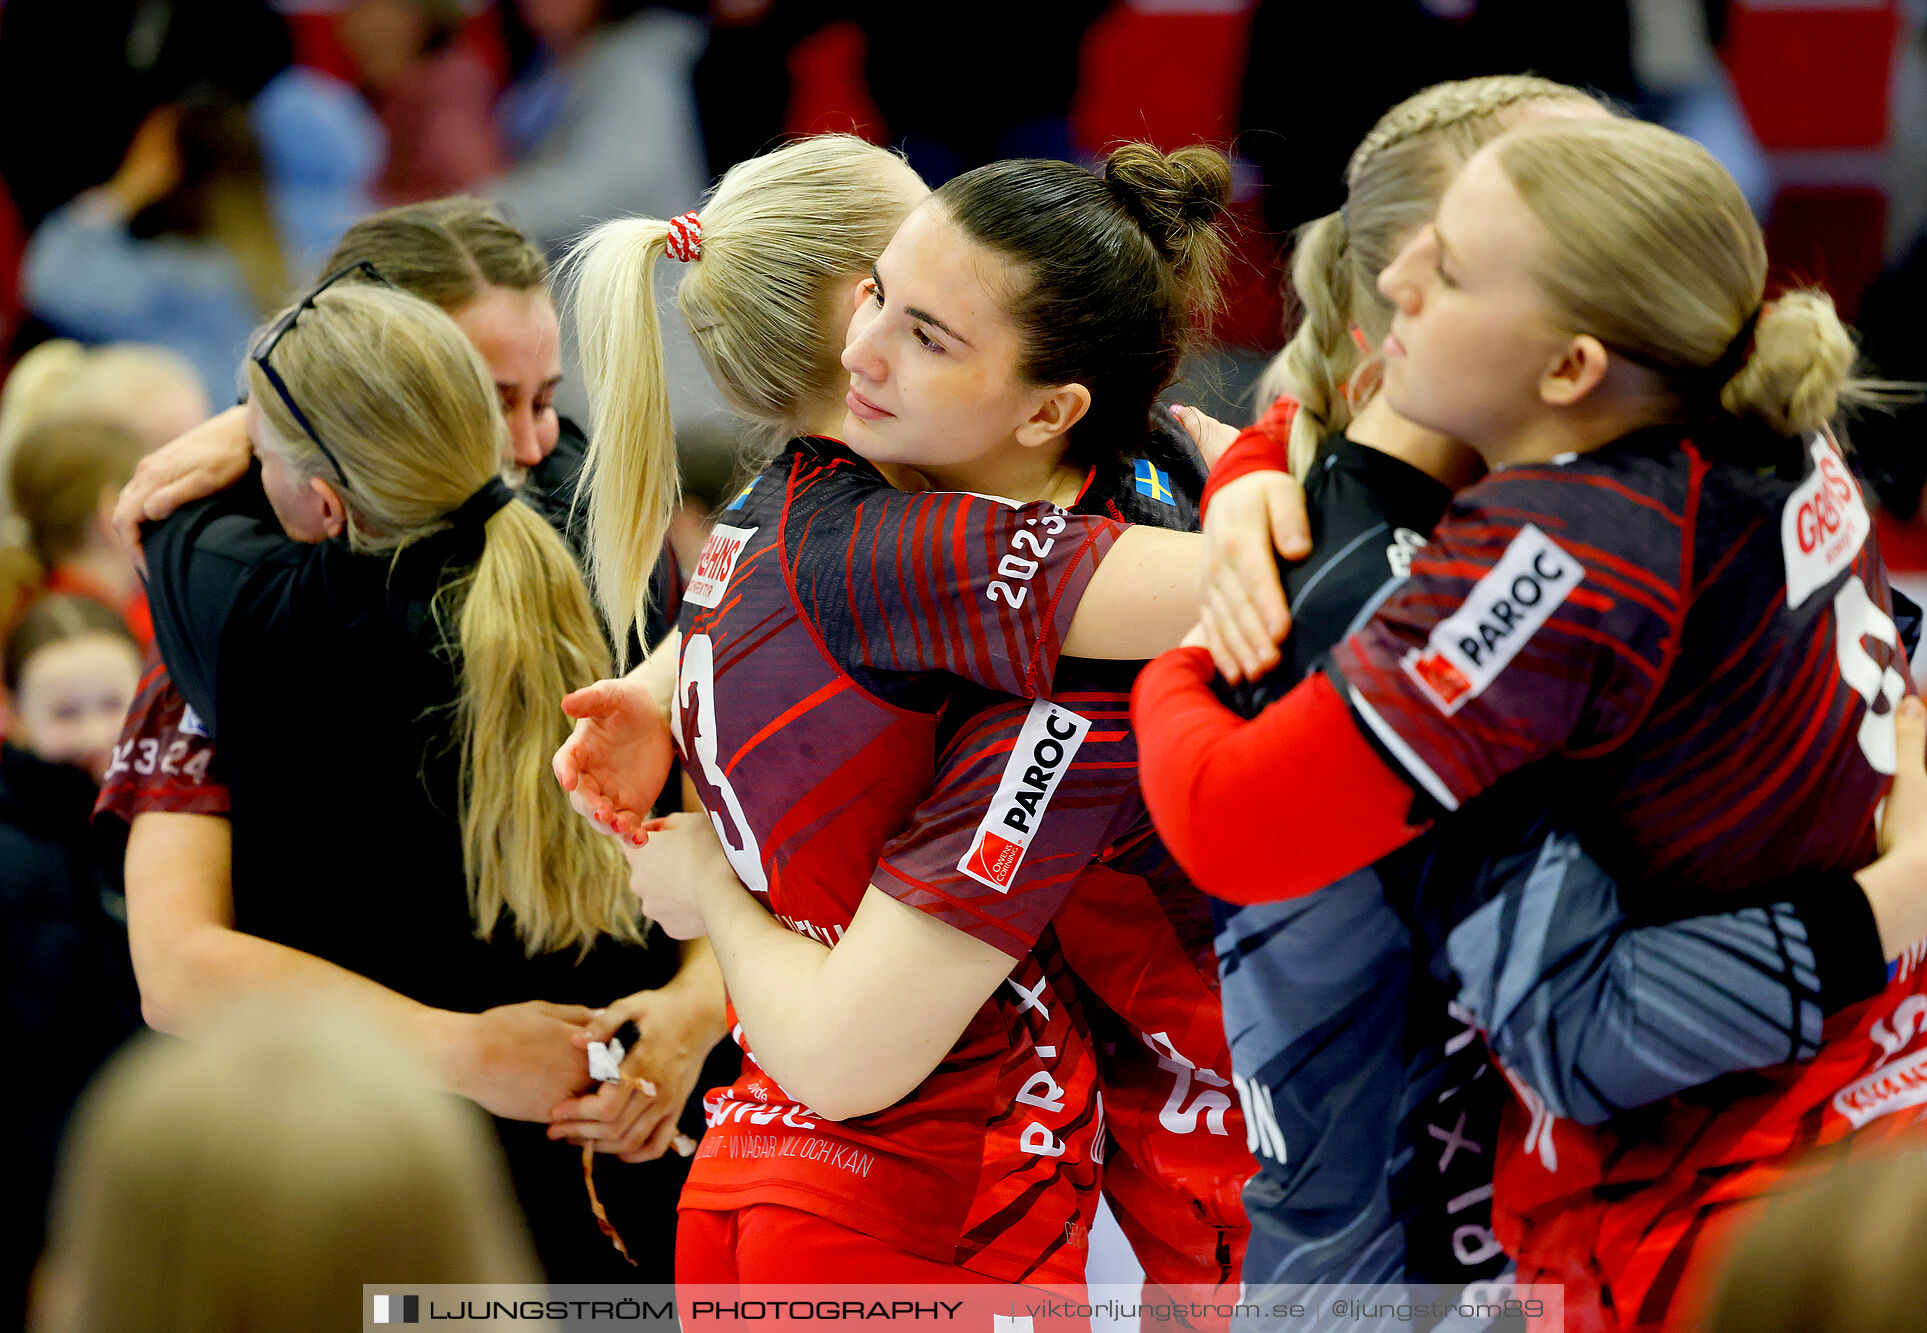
column 1580, row 366
column 859, row 292
column 1060, row 409
column 334, row 514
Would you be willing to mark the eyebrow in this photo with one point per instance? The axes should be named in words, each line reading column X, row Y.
column 921, row 316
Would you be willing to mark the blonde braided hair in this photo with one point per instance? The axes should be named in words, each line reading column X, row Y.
column 1392, row 188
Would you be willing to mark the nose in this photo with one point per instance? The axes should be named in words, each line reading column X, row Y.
column 524, row 445
column 862, row 354
column 1399, row 282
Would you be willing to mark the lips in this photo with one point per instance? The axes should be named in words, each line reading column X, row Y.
column 1392, row 346
column 863, row 409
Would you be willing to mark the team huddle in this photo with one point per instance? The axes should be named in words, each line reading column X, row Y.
column 1432, row 834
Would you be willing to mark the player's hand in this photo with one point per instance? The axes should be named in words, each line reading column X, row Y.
column 518, row 1060
column 672, row 862
column 636, row 1119
column 1211, row 435
column 616, row 761
column 1903, row 816
column 1243, row 603
column 211, row 457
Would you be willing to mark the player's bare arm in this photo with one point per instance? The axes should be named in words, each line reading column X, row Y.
column 846, row 1030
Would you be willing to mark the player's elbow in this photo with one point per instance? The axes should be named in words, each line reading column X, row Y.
column 848, row 1100
column 835, row 1088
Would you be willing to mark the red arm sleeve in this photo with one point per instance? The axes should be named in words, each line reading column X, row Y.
column 1269, row 808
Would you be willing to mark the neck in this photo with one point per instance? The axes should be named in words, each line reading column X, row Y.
column 1018, row 474
column 1555, row 435
column 1438, row 456
column 826, row 418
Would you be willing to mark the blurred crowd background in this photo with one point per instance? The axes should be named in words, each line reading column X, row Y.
column 172, row 170
column 175, row 166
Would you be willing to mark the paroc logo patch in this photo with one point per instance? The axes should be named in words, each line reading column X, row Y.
column 1044, row 750
column 1469, row 648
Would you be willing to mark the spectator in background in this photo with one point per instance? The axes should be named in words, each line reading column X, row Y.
column 69, row 998
column 434, row 95
column 98, row 67
column 177, row 247
column 601, row 121
column 255, row 1178
column 321, row 147
column 151, row 391
column 63, row 481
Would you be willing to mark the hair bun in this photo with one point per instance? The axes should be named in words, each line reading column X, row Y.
column 1800, row 366
column 1173, row 197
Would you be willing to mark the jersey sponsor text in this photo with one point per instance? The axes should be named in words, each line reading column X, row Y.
column 716, row 564
column 1044, row 750
column 1468, row 649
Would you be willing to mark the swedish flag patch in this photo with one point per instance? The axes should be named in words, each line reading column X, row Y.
column 1154, row 482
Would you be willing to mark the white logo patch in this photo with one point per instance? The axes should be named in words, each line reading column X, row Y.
column 1044, row 751
column 1468, row 649
column 191, row 724
column 716, row 564
column 1405, row 543
column 1823, row 526
column 1888, row 1089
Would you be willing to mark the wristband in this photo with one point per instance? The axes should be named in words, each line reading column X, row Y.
column 1253, row 451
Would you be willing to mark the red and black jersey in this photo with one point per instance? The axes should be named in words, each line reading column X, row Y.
column 1103, row 893
column 825, row 627
column 163, row 760
column 1708, row 649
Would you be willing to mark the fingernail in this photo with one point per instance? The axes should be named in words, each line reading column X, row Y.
column 1912, row 708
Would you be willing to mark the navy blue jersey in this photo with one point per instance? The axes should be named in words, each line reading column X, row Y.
column 1371, row 1109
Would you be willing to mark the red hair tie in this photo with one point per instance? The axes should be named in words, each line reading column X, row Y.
column 685, row 239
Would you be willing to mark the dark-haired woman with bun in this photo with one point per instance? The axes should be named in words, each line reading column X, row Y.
column 939, row 818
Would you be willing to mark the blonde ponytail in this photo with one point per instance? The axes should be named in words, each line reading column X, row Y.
column 516, row 834
column 1393, row 184
column 783, row 236
column 408, row 406
column 630, row 474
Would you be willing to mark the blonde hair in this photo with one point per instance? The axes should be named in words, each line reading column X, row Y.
column 779, row 233
column 407, row 406
column 1393, row 184
column 55, row 480
column 60, row 380
column 1655, row 252
column 257, row 1176
column 445, row 250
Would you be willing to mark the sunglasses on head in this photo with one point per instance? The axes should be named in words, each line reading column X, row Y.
column 279, row 330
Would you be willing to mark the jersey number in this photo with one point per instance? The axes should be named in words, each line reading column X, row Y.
column 1855, row 618
column 696, row 709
